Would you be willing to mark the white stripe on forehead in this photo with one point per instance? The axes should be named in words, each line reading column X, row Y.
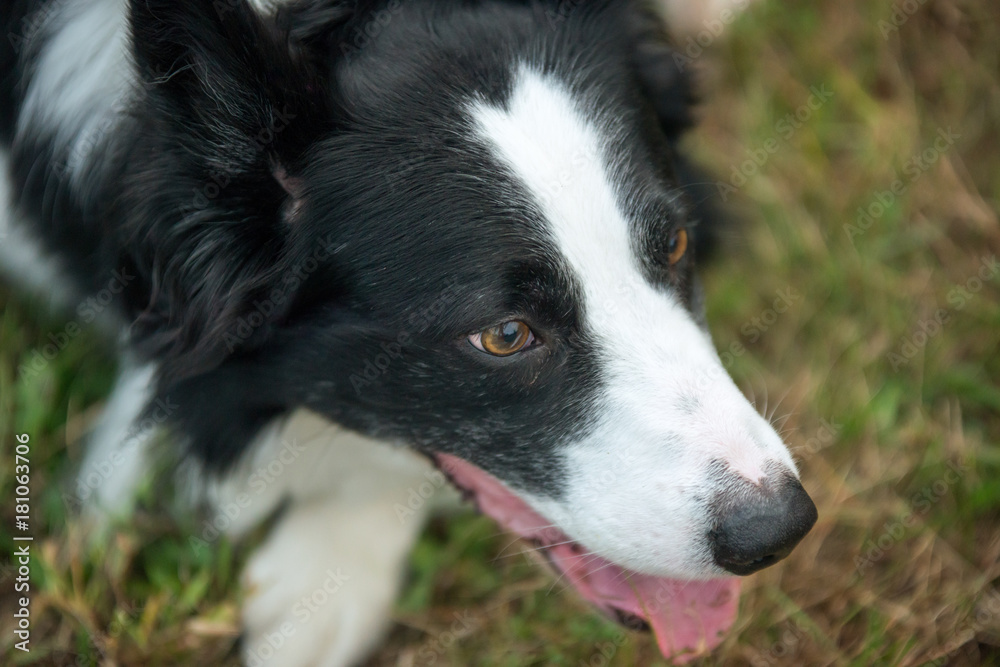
column 558, row 155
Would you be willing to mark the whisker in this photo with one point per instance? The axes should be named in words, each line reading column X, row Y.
column 501, row 553
column 501, row 533
column 538, row 548
column 780, row 401
column 563, row 574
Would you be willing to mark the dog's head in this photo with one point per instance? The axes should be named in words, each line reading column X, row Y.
column 464, row 226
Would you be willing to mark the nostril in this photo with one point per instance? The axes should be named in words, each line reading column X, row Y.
column 758, row 533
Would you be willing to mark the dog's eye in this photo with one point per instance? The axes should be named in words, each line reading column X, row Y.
column 677, row 246
column 505, row 339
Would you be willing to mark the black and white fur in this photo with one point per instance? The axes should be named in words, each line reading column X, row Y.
column 301, row 192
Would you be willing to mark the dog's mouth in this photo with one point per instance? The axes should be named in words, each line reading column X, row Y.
column 688, row 618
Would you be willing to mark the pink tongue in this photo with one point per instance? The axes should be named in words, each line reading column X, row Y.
column 689, row 618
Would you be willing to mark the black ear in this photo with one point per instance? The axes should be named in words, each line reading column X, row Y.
column 663, row 73
column 227, row 76
column 326, row 30
column 226, row 112
column 666, row 79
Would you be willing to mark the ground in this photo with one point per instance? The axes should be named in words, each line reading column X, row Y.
column 857, row 300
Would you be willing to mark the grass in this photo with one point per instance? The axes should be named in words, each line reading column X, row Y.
column 895, row 420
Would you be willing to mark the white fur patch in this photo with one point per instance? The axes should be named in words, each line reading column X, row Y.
column 82, row 78
column 22, row 259
column 321, row 588
column 638, row 484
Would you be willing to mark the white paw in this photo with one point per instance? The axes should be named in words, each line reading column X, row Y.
column 320, row 589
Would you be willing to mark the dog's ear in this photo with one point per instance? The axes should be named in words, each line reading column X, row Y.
column 665, row 77
column 663, row 73
column 326, row 31
column 227, row 112
column 229, row 77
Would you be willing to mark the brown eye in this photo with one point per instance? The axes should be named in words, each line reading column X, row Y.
column 504, row 340
column 677, row 246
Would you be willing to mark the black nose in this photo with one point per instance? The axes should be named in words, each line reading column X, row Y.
column 758, row 531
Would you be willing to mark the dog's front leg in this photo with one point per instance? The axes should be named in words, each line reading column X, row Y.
column 320, row 589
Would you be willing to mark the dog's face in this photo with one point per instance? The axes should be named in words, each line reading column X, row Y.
column 494, row 260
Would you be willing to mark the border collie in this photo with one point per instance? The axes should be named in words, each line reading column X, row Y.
column 352, row 247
